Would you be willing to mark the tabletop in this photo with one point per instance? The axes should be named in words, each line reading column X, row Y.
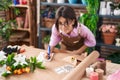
column 49, row 73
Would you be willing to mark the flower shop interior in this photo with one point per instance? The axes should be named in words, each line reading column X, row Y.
column 25, row 27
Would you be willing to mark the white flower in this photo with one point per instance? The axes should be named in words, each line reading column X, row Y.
column 3, row 69
column 2, row 55
column 20, row 59
column 40, row 57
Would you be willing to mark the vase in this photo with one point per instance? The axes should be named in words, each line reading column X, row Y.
column 20, row 21
column 72, row 1
column 108, row 38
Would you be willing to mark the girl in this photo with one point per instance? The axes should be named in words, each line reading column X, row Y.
column 73, row 36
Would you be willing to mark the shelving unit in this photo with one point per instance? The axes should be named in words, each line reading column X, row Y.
column 106, row 49
column 99, row 42
column 31, row 30
column 43, row 28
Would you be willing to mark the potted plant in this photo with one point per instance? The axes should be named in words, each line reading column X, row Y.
column 109, row 33
column 5, row 31
column 90, row 18
column 4, row 4
column 4, row 7
column 19, row 17
column 115, row 8
column 46, row 40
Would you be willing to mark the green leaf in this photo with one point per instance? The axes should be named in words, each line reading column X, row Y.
column 39, row 65
column 2, row 62
column 5, row 74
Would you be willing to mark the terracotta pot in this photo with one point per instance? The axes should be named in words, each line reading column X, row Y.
column 108, row 38
column 20, row 21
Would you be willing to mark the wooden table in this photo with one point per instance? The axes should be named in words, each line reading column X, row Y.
column 49, row 73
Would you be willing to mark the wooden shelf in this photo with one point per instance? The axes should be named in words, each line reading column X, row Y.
column 26, row 40
column 29, row 13
column 22, row 29
column 24, row 6
column 110, row 16
column 61, row 4
column 109, row 46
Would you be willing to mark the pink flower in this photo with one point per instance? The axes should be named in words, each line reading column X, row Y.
column 108, row 28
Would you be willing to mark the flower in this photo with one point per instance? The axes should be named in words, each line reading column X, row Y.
column 108, row 28
column 18, row 64
column 20, row 59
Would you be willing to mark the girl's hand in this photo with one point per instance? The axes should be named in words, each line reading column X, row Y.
column 48, row 57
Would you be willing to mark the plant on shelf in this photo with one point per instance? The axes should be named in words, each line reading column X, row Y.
column 108, row 28
column 115, row 8
column 109, row 33
column 4, row 4
column 90, row 18
column 6, row 28
column 4, row 7
column 19, row 17
column 48, row 17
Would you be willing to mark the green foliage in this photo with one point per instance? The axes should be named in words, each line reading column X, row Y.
column 4, row 4
column 33, row 63
column 10, row 61
column 17, row 11
column 114, row 6
column 46, row 39
column 91, row 18
column 2, row 62
column 6, row 28
column 115, row 57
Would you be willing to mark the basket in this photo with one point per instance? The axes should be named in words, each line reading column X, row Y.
column 47, row 22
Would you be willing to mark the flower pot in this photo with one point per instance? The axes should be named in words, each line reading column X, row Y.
column 60, row 1
column 20, row 21
column 72, row 1
column 50, row 1
column 117, row 12
column 16, row 2
column 108, row 38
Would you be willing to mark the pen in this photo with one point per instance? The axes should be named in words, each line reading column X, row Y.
column 49, row 52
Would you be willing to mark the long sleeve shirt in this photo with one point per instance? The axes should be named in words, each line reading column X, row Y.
column 82, row 30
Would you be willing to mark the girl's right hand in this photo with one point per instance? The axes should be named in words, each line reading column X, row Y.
column 46, row 56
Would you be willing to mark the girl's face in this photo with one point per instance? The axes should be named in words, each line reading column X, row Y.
column 64, row 26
